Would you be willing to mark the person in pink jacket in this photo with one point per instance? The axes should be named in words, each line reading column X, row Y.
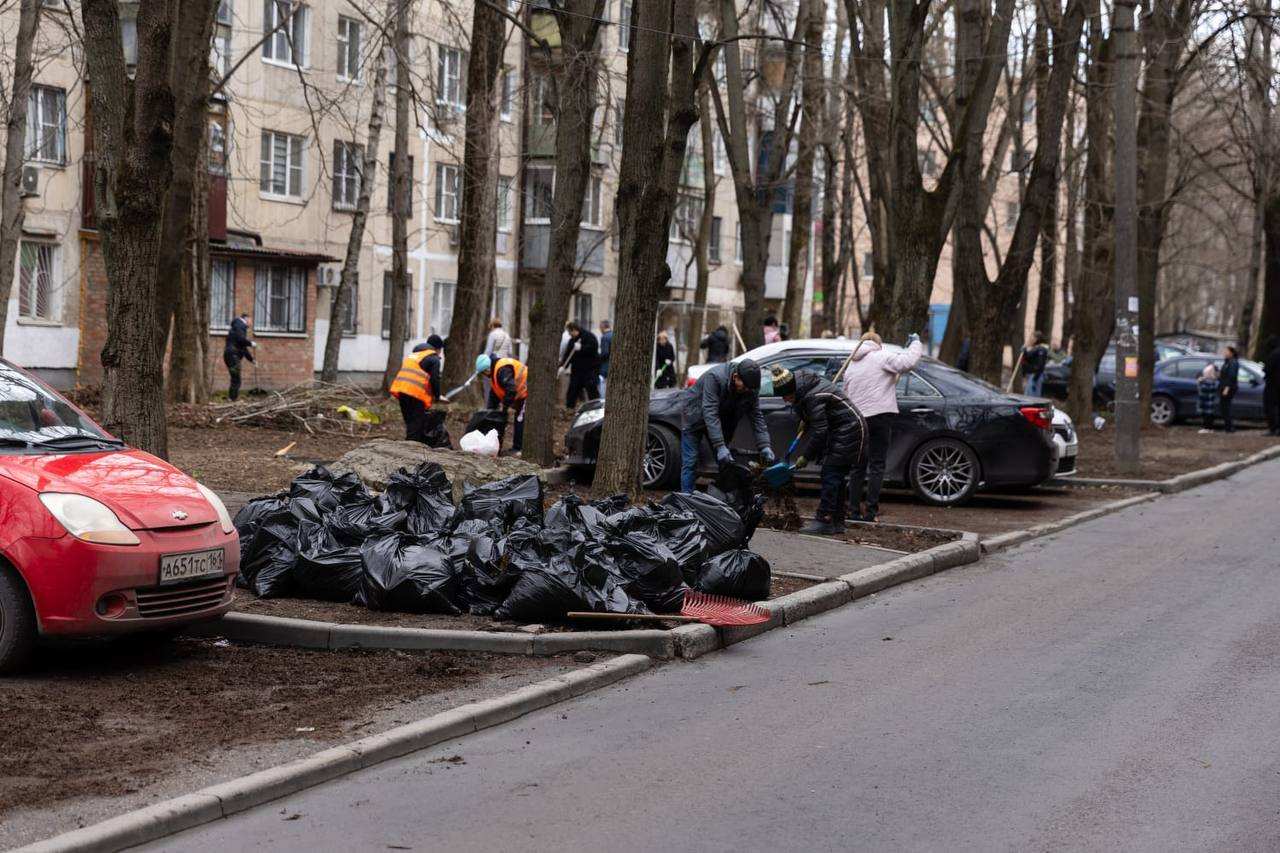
column 870, row 383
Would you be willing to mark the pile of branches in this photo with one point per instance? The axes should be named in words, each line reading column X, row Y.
column 311, row 405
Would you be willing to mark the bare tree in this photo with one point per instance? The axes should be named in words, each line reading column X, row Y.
column 811, row 99
column 402, row 204
column 12, row 210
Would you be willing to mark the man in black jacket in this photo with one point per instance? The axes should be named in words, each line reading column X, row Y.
column 832, row 431
column 238, row 347
column 1271, row 391
column 717, row 345
column 1228, row 385
column 582, row 360
column 712, row 409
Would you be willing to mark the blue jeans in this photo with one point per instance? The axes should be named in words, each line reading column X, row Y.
column 831, row 504
column 1035, row 385
column 689, row 442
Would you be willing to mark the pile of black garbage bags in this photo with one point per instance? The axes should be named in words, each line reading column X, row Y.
column 496, row 553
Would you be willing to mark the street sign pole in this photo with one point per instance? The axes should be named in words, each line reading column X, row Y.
column 1128, row 406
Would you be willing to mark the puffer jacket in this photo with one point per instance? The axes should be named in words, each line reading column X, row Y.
column 833, row 427
column 871, row 378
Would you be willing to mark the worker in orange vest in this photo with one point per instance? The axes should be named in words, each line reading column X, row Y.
column 508, row 379
column 417, row 388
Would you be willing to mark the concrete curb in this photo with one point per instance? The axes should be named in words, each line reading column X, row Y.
column 228, row 798
column 1182, row 482
column 1017, row 537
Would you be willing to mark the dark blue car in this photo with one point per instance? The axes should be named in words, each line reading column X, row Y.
column 1173, row 391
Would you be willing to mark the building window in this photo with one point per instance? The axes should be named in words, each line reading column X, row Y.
column 391, row 184
column 442, row 307
column 281, row 164
column 347, row 159
column 284, row 29
column 720, row 156
column 217, row 144
column 350, row 315
column 348, row 48
column 47, row 125
column 1011, row 213
column 539, row 187
column 737, row 245
column 504, row 207
column 451, row 84
column 224, row 12
column 222, row 293
column 507, row 95
column 868, row 265
column 448, row 192
column 713, row 246
column 619, row 113
column 220, row 52
column 501, row 302
column 582, row 309
column 591, row 202
column 542, row 105
column 280, row 299
column 624, row 25
column 387, row 286
column 35, row 280
column 688, row 214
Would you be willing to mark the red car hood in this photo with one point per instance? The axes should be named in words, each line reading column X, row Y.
column 145, row 492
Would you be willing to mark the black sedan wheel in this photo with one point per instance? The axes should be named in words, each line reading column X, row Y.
column 944, row 472
column 660, row 467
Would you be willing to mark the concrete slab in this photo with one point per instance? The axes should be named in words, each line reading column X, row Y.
column 815, row 555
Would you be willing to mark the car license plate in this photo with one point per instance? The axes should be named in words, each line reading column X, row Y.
column 175, row 568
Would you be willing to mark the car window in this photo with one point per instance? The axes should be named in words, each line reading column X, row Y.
column 912, row 385
column 1190, row 368
column 817, row 363
column 32, row 411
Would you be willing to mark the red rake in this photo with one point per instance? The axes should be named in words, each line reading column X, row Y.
column 721, row 610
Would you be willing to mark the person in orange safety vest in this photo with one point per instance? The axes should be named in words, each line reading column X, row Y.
column 508, row 380
column 417, row 389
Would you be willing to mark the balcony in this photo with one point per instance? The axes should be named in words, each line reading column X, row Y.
column 537, row 245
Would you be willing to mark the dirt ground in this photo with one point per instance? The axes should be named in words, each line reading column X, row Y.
column 109, row 718
column 1169, row 451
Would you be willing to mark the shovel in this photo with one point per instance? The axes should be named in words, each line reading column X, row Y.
column 449, row 395
column 779, row 474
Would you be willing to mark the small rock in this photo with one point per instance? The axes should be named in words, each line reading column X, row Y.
column 584, row 657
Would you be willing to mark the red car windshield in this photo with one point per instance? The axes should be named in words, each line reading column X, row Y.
column 33, row 413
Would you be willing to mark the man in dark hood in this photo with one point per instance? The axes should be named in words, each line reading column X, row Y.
column 712, row 409
column 717, row 345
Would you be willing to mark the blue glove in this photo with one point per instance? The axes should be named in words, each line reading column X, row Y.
column 767, row 455
column 723, row 456
column 913, row 338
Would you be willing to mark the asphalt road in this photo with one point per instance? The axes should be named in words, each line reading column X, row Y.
column 1116, row 686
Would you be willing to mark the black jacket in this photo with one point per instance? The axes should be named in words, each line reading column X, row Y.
column 664, row 365
column 833, row 426
column 583, row 358
column 238, row 345
column 1034, row 360
column 1271, row 365
column 713, row 406
column 431, row 364
column 717, row 345
column 1229, row 377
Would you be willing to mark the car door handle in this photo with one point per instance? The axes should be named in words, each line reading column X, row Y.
column 922, row 410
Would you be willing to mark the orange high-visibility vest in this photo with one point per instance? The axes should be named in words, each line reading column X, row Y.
column 412, row 380
column 522, row 375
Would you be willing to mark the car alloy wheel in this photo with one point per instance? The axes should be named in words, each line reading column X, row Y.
column 654, row 463
column 945, row 472
column 1161, row 411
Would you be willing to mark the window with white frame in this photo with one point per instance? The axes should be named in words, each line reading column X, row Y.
column 220, row 50
column 391, row 184
column 592, row 206
column 507, row 94
column 37, row 266
column 222, row 293
column 47, row 125
column 448, row 192
column 505, row 208
column 501, row 307
column 284, row 30
column 720, row 155
column 351, row 313
column 347, row 160
column 624, row 25
column 541, row 100
column 540, row 189
column 349, row 32
column 451, row 81
column 388, row 284
column 281, row 161
column 713, row 244
column 442, row 307
column 582, row 313
column 280, row 299
column 685, row 221
column 737, row 245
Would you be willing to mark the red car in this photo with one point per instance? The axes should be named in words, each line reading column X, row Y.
column 95, row 537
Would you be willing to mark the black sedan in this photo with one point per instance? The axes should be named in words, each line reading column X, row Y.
column 954, row 433
column 1057, row 374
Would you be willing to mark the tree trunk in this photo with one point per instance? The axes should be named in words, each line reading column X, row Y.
column 12, row 209
column 575, row 113
column 1260, row 73
column 1045, row 290
column 815, row 14
column 1071, row 251
column 1269, row 315
column 659, row 112
column 355, row 237
column 190, row 341
column 707, row 131
column 400, row 210
column 478, row 231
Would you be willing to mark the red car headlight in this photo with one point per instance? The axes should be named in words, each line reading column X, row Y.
column 87, row 519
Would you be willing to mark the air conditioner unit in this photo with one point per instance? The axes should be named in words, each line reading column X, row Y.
column 30, row 182
column 453, row 236
column 328, row 276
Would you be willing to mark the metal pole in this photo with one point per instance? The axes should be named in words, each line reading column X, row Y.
column 1128, row 407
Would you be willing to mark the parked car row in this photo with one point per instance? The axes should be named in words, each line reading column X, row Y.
column 1057, row 375
column 1173, row 389
column 954, row 434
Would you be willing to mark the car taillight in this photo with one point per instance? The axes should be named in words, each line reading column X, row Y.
column 1038, row 415
column 690, row 382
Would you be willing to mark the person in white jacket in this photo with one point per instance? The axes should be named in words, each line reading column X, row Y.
column 870, row 383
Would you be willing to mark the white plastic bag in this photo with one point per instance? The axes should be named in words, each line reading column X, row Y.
column 486, row 444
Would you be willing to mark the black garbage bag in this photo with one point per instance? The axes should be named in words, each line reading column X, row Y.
column 477, row 551
column 352, row 524
column 486, row 420
column 647, row 570
column 409, row 573
column 426, row 496
column 325, row 568
column 249, row 519
column 738, row 573
column 612, row 504
column 569, row 581
column 722, row 524
column 327, row 490
column 504, row 501
column 748, row 505
column 266, row 568
column 570, row 511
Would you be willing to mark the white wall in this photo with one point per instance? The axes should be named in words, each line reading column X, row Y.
column 32, row 345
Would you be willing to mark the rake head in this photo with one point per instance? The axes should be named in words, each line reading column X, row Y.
column 721, row 610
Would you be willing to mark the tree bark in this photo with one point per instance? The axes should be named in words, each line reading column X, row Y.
column 400, row 210
column 811, row 91
column 190, row 341
column 1045, row 289
column 575, row 112
column 660, row 109
column 1260, row 73
column 1071, row 237
column 837, row 186
column 707, row 131
column 1269, row 315
column 350, row 276
column 478, row 230
column 12, row 209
